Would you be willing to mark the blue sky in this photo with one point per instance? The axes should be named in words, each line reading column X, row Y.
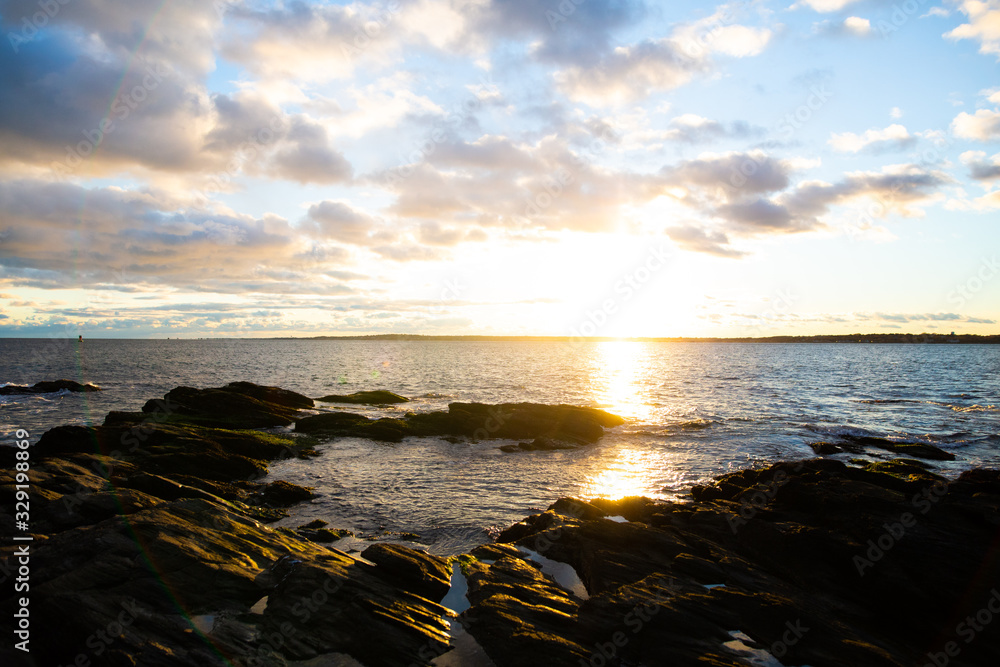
column 579, row 167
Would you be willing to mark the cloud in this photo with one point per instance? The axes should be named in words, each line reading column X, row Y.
column 562, row 33
column 903, row 318
column 630, row 73
column 137, row 239
column 980, row 167
column 852, row 26
column 858, row 26
column 694, row 129
column 338, row 221
column 936, row 11
column 983, row 25
column 698, row 239
column 495, row 182
column 180, row 33
column 824, row 6
column 731, row 174
column 635, row 71
column 307, row 156
column 984, row 125
column 894, row 137
column 751, row 194
column 76, row 114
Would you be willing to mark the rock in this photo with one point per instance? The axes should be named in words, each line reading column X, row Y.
column 825, row 448
column 366, row 398
column 914, row 449
column 333, row 603
column 284, row 494
column 237, row 405
column 324, row 535
column 192, row 559
column 551, row 426
column 825, row 548
column 518, row 421
column 545, row 444
column 48, row 387
column 520, row 617
column 426, row 575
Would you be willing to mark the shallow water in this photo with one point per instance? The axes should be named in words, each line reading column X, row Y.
column 693, row 411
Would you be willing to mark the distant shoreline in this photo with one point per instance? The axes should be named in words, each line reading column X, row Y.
column 877, row 338
column 967, row 339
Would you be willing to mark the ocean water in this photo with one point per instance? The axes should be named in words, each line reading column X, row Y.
column 693, row 411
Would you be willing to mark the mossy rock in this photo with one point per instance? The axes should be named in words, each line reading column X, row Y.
column 379, row 397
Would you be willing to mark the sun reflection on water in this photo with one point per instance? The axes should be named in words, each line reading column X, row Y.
column 621, row 379
column 629, row 474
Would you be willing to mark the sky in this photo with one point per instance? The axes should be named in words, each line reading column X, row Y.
column 499, row 167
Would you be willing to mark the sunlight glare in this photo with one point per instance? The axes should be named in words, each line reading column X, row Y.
column 621, row 372
column 628, row 475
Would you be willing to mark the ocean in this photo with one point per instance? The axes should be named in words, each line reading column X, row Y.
column 693, row 411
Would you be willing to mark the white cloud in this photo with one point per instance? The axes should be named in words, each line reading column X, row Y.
column 896, row 112
column 983, row 25
column 858, row 26
column 937, row 11
column 984, row 125
column 824, row 6
column 893, row 137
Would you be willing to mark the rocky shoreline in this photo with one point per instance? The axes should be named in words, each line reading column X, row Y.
column 152, row 547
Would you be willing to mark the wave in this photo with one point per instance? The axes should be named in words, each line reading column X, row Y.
column 693, row 424
column 950, row 406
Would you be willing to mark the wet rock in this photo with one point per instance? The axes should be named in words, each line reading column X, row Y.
column 825, row 448
column 426, row 575
column 914, row 449
column 820, row 563
column 366, row 398
column 520, row 617
column 550, row 426
column 48, row 387
column 285, row 494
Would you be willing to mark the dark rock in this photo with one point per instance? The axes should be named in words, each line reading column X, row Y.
column 802, row 557
column 518, row 421
column 826, row 448
column 914, row 449
column 48, row 387
column 366, row 398
column 520, row 617
column 237, row 405
column 332, row 603
column 551, row 426
column 323, row 535
column 284, row 494
column 426, row 575
column 545, row 444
